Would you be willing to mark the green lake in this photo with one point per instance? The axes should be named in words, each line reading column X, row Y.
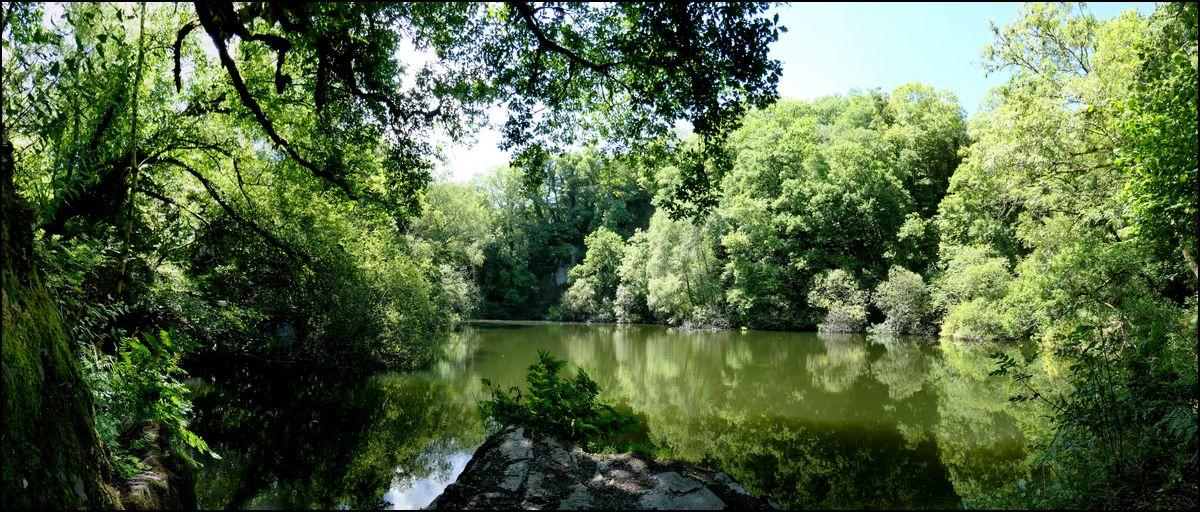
column 811, row 420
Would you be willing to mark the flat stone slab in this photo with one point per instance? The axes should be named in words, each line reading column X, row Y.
column 516, row 468
column 678, row 492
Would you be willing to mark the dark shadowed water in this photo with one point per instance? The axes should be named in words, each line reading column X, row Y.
column 811, row 420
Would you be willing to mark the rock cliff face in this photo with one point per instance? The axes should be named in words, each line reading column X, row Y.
column 519, row 469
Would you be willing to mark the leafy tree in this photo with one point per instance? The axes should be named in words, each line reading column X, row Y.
column 805, row 194
column 678, row 262
column 539, row 232
column 967, row 290
column 904, row 301
column 630, row 302
column 1062, row 198
column 842, row 298
column 594, row 281
column 309, row 103
column 452, row 233
column 1161, row 136
column 926, row 129
column 619, row 60
column 841, row 182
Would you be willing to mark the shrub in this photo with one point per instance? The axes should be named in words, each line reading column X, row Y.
column 564, row 407
column 970, row 272
column 844, row 302
column 141, row 383
column 904, row 301
column 976, row 320
column 707, row 316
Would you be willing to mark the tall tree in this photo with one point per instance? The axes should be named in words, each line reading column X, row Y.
column 554, row 65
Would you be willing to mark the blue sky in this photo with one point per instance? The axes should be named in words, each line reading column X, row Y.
column 831, row 48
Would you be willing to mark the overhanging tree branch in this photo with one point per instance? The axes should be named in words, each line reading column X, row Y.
column 149, row 192
column 271, row 239
column 527, row 14
column 215, row 32
column 179, row 37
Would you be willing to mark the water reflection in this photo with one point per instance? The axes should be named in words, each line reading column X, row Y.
column 321, row 441
column 413, row 492
column 813, row 421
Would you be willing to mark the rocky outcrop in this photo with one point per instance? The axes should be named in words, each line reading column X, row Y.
column 518, row 469
column 168, row 481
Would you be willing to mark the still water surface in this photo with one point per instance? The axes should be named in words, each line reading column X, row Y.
column 811, row 420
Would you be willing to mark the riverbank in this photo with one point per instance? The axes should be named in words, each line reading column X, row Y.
column 516, row 468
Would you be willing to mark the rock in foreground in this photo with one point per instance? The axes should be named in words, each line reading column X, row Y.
column 518, row 469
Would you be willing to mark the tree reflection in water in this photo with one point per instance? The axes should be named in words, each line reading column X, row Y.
column 323, row 441
column 811, row 420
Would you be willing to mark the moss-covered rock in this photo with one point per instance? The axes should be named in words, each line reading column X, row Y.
column 168, row 481
column 52, row 455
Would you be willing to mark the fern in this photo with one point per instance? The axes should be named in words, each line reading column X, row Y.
column 567, row 408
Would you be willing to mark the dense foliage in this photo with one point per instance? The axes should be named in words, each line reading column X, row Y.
column 842, row 184
column 1063, row 213
column 1094, row 282
column 141, row 383
column 562, row 407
